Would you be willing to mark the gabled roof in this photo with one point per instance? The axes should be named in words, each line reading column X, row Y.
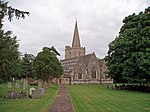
column 86, row 58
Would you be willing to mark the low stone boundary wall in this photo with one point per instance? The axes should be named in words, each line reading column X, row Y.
column 106, row 81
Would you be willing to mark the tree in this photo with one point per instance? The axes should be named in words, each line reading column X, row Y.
column 46, row 65
column 9, row 56
column 10, row 65
column 128, row 58
column 27, row 65
column 6, row 10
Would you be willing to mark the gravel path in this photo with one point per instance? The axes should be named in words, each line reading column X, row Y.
column 62, row 102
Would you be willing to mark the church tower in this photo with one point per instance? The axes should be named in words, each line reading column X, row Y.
column 76, row 50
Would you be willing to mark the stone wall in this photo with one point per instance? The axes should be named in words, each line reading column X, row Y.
column 74, row 52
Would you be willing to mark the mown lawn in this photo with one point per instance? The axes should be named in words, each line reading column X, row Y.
column 97, row 98
column 28, row 105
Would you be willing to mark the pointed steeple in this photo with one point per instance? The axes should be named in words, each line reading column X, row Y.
column 75, row 50
column 76, row 39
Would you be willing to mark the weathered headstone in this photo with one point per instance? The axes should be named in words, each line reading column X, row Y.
column 31, row 90
column 17, row 85
column 9, row 85
column 36, row 93
column 40, row 84
column 42, row 91
column 25, row 84
column 11, row 94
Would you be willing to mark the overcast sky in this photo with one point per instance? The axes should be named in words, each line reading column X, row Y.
column 52, row 22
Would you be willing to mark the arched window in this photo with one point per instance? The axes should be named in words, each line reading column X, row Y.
column 80, row 75
column 94, row 72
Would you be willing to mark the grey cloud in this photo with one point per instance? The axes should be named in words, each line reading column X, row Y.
column 51, row 23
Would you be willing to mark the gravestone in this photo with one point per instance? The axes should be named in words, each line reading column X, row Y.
column 25, row 84
column 12, row 94
column 17, row 85
column 9, row 85
column 36, row 93
column 42, row 91
column 31, row 90
column 40, row 84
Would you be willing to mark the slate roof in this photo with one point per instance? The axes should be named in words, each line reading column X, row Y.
column 86, row 58
column 68, row 64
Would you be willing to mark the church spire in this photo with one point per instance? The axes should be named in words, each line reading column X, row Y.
column 76, row 39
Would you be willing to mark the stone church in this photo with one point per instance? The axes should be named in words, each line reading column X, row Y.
column 82, row 68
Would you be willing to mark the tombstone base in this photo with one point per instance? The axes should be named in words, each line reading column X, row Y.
column 12, row 95
column 36, row 93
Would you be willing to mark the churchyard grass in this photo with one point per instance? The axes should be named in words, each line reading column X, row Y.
column 27, row 105
column 97, row 98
